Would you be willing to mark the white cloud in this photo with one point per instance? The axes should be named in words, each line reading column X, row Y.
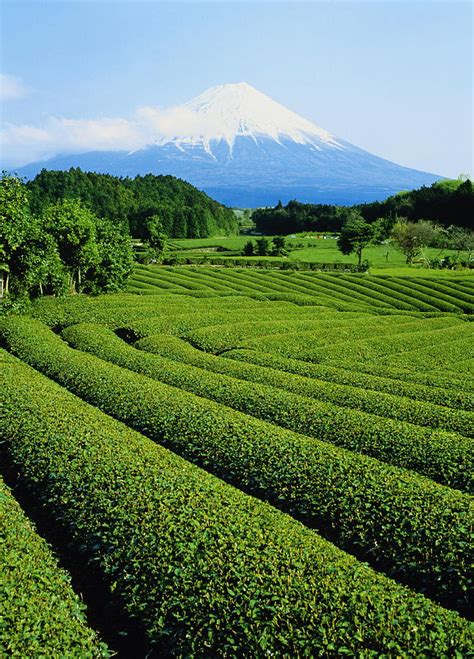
column 11, row 88
column 21, row 144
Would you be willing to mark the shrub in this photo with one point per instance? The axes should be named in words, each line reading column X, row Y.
column 402, row 522
column 41, row 616
column 204, row 568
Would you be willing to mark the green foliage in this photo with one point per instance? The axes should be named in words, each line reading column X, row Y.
column 445, row 202
column 15, row 224
column 204, row 568
column 115, row 260
column 375, row 402
column 66, row 249
column 41, row 615
column 73, row 227
column 355, row 234
column 296, row 217
column 412, row 237
column 392, row 516
column 182, row 210
column 263, row 247
column 248, row 249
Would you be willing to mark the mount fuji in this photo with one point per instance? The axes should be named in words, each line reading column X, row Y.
column 245, row 149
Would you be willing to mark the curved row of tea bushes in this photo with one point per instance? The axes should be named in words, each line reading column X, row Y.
column 440, row 290
column 154, row 282
column 199, row 276
column 319, row 284
column 406, row 289
column 407, row 294
column 312, row 285
column 404, row 523
column 382, row 404
column 40, row 615
column 356, row 286
column 329, row 285
column 438, row 357
column 432, row 379
column 374, row 289
column 322, row 327
column 205, row 569
column 269, row 321
column 296, row 294
column 380, row 345
column 445, row 457
column 332, row 328
column 438, row 395
column 380, row 337
column 464, row 285
column 122, row 308
column 390, row 346
column 173, row 277
column 442, row 299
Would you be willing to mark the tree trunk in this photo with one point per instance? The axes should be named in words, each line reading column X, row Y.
column 7, row 283
column 79, row 280
column 41, row 288
column 359, row 254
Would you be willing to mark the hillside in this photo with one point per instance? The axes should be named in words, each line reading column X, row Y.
column 184, row 211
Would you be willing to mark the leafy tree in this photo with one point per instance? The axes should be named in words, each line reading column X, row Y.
column 461, row 239
column 263, row 247
column 114, row 264
column 355, row 235
column 184, row 211
column 279, row 246
column 249, row 249
column 73, row 226
column 15, row 224
column 38, row 269
column 154, row 233
column 412, row 237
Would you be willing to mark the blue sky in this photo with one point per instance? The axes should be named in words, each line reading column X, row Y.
column 394, row 78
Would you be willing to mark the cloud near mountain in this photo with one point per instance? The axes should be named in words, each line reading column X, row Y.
column 23, row 143
column 232, row 141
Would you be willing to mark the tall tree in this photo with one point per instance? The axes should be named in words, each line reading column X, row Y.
column 412, row 237
column 73, row 226
column 114, row 263
column 355, row 235
column 15, row 223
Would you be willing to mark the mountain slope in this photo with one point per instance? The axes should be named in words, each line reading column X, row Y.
column 244, row 149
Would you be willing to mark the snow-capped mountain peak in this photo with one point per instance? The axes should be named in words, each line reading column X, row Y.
column 236, row 110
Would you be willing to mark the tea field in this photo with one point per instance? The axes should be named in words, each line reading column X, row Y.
column 241, row 463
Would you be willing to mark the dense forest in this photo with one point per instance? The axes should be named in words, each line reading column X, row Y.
column 446, row 203
column 62, row 249
column 183, row 211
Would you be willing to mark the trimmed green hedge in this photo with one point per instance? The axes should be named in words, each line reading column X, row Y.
column 375, row 340
column 204, row 568
column 438, row 395
column 446, row 457
column 326, row 334
column 402, row 522
column 382, row 404
column 40, row 615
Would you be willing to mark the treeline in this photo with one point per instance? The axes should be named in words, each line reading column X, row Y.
column 446, row 203
column 63, row 248
column 183, row 211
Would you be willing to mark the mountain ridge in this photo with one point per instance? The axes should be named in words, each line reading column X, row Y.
column 245, row 149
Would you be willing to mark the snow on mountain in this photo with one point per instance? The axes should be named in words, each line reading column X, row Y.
column 236, row 110
column 245, row 149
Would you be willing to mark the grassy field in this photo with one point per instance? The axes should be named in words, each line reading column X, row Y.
column 254, row 463
column 382, row 258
